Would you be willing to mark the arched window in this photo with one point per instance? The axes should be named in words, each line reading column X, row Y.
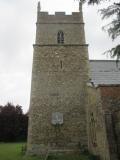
column 60, row 37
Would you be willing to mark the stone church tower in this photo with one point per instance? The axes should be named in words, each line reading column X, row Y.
column 57, row 119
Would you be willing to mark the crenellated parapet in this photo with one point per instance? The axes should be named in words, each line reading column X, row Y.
column 60, row 17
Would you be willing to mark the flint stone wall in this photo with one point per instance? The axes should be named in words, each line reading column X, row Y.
column 59, row 77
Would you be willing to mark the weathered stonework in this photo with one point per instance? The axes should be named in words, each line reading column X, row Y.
column 110, row 95
column 59, row 77
column 103, row 121
column 90, row 115
column 97, row 136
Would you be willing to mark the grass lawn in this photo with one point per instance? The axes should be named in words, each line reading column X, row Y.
column 12, row 151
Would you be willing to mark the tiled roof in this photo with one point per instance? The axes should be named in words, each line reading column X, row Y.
column 104, row 72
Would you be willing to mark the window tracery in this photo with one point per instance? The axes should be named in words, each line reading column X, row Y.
column 60, row 37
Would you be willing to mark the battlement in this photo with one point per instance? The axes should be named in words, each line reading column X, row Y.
column 59, row 17
column 59, row 14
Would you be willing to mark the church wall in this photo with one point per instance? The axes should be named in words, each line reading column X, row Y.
column 59, row 77
column 97, row 137
column 111, row 104
column 110, row 97
column 47, row 35
column 91, row 116
column 116, row 118
column 57, row 88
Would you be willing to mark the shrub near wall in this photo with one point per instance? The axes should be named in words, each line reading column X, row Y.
column 13, row 123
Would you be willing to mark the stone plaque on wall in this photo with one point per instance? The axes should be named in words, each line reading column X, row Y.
column 57, row 118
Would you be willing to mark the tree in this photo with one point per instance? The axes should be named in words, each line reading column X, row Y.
column 13, row 123
column 113, row 28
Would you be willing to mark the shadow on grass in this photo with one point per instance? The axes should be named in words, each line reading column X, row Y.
column 63, row 157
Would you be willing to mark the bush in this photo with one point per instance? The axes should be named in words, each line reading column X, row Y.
column 13, row 123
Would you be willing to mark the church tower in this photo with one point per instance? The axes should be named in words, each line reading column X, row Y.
column 57, row 116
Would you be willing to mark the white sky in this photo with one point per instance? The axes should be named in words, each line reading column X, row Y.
column 17, row 34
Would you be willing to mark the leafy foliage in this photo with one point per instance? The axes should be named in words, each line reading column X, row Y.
column 115, row 52
column 13, row 123
column 113, row 28
column 91, row 1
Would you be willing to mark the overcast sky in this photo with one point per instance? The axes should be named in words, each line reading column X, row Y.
column 17, row 35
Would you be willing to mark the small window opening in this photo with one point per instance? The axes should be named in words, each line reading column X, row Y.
column 60, row 37
column 61, row 64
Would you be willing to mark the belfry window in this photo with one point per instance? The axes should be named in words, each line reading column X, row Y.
column 60, row 37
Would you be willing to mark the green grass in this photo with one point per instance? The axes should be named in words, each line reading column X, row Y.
column 12, row 151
